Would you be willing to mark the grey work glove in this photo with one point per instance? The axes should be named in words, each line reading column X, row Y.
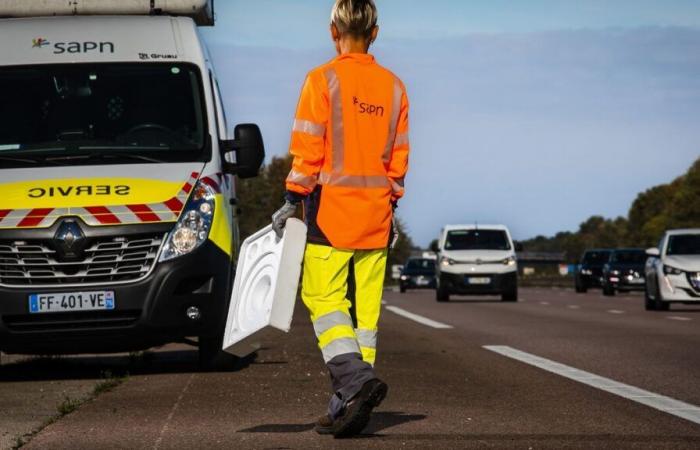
column 279, row 219
column 394, row 229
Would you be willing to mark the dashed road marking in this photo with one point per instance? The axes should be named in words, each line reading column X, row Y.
column 544, row 303
column 615, row 311
column 173, row 410
column 420, row 319
column 574, row 307
column 679, row 318
column 659, row 402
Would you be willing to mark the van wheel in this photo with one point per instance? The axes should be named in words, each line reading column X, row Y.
column 212, row 357
column 442, row 295
column 402, row 289
column 510, row 295
column 608, row 290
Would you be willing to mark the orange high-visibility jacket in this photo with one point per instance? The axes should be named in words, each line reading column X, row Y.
column 350, row 146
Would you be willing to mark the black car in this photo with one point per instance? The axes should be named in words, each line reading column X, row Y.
column 418, row 273
column 624, row 271
column 589, row 272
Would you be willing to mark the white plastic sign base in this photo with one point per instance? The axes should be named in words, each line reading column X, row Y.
column 265, row 287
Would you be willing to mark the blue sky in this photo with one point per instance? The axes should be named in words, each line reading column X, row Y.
column 534, row 113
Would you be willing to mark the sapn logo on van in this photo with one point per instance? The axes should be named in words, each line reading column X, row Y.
column 74, row 46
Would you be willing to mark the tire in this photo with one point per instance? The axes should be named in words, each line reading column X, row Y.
column 649, row 303
column 510, row 296
column 608, row 290
column 580, row 288
column 402, row 289
column 442, row 295
column 657, row 304
column 212, row 357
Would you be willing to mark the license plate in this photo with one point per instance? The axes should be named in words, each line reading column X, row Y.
column 636, row 281
column 476, row 280
column 72, row 301
column 422, row 281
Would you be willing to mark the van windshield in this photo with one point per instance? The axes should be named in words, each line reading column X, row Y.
column 477, row 240
column 101, row 113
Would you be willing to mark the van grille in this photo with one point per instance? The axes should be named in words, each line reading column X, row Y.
column 104, row 260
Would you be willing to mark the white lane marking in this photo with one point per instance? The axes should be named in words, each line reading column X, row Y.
column 659, row 402
column 384, row 302
column 615, row 311
column 164, row 430
column 420, row 319
column 680, row 318
column 544, row 303
column 574, row 307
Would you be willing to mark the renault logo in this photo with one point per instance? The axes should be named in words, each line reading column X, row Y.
column 69, row 240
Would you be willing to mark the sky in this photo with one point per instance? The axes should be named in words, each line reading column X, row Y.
column 536, row 114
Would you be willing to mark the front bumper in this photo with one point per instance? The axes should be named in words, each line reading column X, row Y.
column 460, row 284
column 147, row 313
column 625, row 284
column 419, row 282
column 678, row 288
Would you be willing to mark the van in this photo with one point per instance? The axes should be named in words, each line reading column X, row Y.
column 476, row 260
column 118, row 227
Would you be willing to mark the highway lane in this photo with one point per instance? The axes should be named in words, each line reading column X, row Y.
column 447, row 390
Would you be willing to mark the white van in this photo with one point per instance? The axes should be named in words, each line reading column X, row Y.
column 117, row 223
column 673, row 270
column 476, row 260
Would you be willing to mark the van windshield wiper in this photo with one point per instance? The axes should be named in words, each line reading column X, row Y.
column 100, row 155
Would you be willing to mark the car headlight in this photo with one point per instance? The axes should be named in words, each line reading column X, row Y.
column 194, row 225
column 447, row 261
column 615, row 272
column 668, row 270
column 404, row 278
column 586, row 272
column 509, row 261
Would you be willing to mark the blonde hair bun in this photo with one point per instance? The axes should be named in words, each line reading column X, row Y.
column 355, row 17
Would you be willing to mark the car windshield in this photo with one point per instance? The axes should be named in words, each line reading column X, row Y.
column 629, row 257
column 684, row 244
column 600, row 257
column 477, row 240
column 420, row 264
column 56, row 113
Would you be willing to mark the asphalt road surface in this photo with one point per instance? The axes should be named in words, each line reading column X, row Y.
column 556, row 370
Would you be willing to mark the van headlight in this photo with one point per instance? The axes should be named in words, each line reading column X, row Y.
column 509, row 261
column 445, row 261
column 194, row 225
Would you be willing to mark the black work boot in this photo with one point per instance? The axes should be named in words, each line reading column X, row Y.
column 357, row 412
column 324, row 425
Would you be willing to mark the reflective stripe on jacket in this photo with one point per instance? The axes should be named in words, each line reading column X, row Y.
column 350, row 137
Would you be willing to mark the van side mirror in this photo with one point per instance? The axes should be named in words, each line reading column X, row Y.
column 249, row 150
column 519, row 247
column 653, row 252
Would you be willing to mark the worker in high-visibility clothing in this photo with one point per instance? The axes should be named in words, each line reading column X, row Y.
column 350, row 147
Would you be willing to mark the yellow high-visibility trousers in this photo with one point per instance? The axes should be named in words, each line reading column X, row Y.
column 324, row 292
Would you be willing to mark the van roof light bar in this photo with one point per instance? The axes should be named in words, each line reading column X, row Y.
column 202, row 11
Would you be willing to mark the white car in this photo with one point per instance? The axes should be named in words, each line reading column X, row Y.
column 673, row 270
column 476, row 260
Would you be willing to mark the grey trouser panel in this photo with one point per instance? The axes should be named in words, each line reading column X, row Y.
column 348, row 374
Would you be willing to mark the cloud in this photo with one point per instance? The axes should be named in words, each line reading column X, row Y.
column 536, row 130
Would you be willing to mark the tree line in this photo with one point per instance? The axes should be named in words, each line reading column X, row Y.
column 663, row 207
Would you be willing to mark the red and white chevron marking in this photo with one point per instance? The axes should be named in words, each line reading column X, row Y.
column 168, row 211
